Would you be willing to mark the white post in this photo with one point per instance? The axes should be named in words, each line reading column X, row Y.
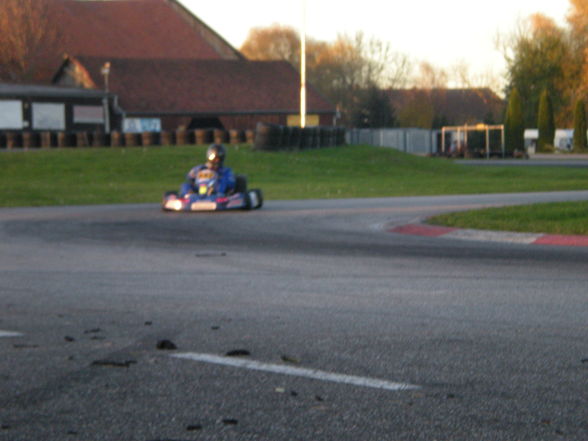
column 487, row 142
column 105, row 70
column 106, row 115
column 502, row 139
column 443, row 139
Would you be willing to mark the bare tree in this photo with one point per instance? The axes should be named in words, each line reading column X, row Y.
column 461, row 77
column 275, row 42
column 341, row 70
column 398, row 71
column 348, row 68
column 431, row 77
column 27, row 38
column 358, row 61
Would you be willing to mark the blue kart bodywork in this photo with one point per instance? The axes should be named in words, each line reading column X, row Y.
column 172, row 201
column 203, row 196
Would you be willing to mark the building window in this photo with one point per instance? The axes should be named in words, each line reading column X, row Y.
column 88, row 115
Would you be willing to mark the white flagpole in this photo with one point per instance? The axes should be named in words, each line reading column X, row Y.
column 303, row 68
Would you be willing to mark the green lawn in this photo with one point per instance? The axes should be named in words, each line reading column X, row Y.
column 133, row 175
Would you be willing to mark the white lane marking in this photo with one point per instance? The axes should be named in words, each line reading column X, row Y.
column 9, row 334
column 296, row 371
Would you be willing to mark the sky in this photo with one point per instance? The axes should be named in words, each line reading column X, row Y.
column 442, row 33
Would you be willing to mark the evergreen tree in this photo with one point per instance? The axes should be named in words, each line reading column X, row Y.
column 513, row 125
column 373, row 110
column 545, row 123
column 580, row 141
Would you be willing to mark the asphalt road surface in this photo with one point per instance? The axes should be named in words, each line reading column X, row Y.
column 305, row 320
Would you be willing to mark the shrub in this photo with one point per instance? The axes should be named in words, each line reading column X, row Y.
column 545, row 123
column 514, row 126
column 580, row 141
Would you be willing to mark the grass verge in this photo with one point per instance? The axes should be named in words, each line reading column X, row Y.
column 138, row 175
column 569, row 218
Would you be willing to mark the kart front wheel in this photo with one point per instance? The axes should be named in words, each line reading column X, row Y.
column 255, row 198
column 167, row 195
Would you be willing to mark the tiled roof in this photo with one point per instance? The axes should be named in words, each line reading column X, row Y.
column 202, row 86
column 130, row 29
column 136, row 29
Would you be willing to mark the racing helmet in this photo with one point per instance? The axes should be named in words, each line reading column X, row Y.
column 215, row 156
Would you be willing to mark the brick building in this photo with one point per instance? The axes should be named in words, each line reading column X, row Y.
column 167, row 65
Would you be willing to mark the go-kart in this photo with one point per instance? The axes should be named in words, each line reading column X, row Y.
column 206, row 197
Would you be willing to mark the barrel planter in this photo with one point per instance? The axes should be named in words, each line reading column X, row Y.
column 116, row 139
column 166, row 138
column 181, row 137
column 98, row 139
column 47, row 140
column 264, row 138
column 285, row 138
column 324, row 135
column 235, row 136
column 29, row 139
column 202, row 136
column 82, row 139
column 303, row 139
column 340, row 136
column 295, row 137
column 334, row 136
column 220, row 136
column 131, row 139
column 249, row 136
column 12, row 140
column 316, row 137
column 309, row 138
column 147, row 139
column 63, row 139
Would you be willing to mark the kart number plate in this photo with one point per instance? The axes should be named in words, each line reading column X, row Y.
column 203, row 206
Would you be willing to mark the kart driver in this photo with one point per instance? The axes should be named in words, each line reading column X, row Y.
column 215, row 158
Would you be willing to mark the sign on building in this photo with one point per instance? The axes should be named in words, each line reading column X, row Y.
column 311, row 120
column 140, row 125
